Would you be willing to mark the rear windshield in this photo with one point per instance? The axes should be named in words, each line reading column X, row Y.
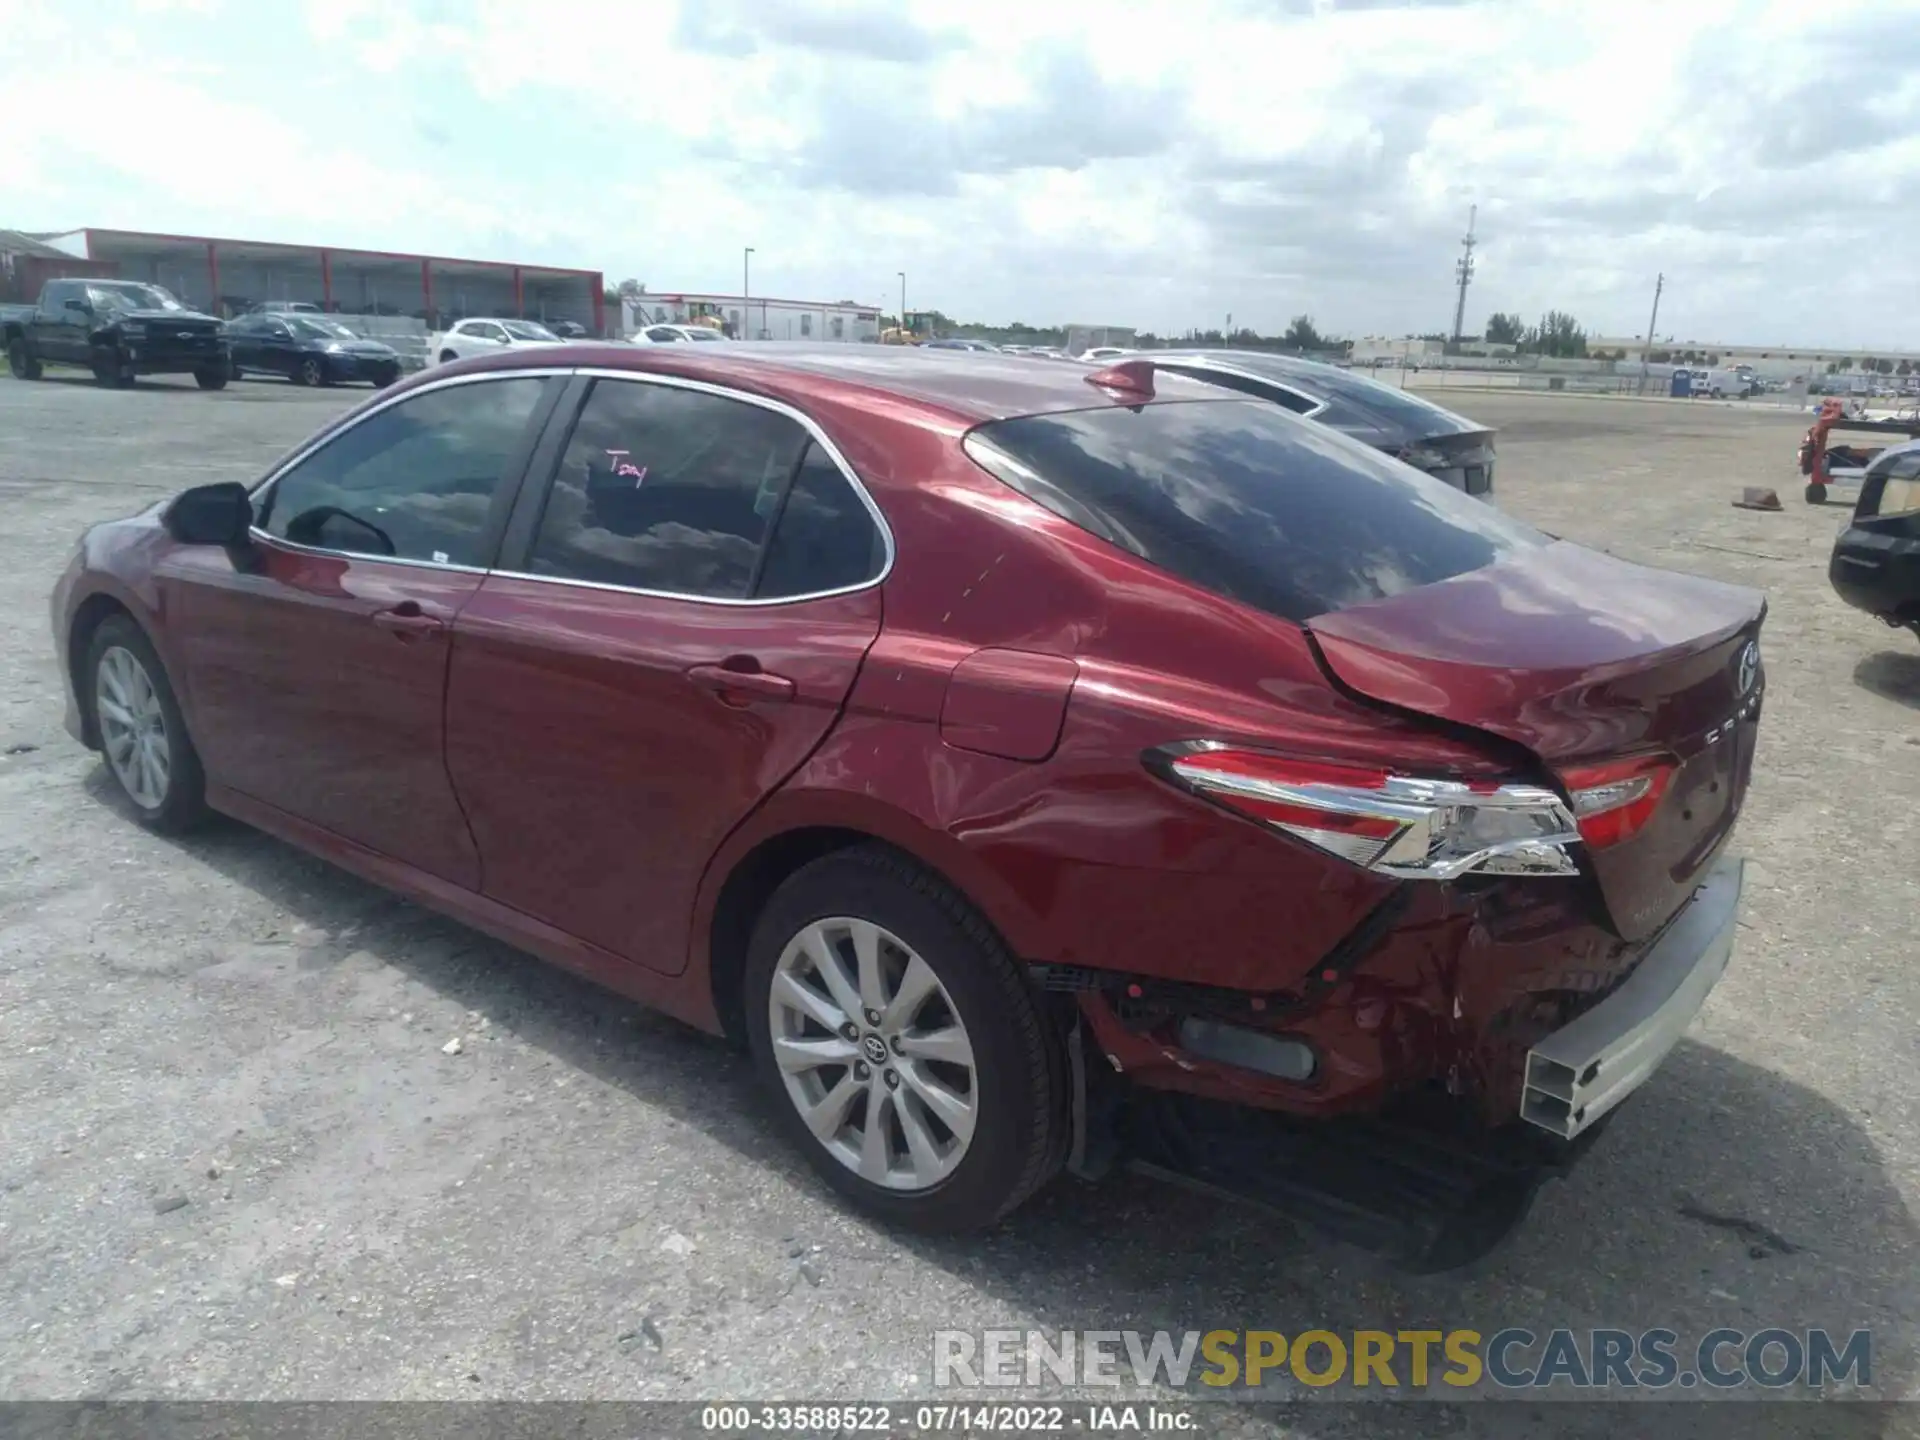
column 1249, row 501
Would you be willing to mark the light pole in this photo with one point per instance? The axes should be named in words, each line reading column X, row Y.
column 905, row 328
column 746, row 310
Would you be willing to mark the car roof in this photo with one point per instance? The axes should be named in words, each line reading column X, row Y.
column 1385, row 405
column 968, row 385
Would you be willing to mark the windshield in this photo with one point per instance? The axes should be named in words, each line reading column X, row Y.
column 527, row 330
column 315, row 327
column 1253, row 503
column 128, row 296
column 700, row 332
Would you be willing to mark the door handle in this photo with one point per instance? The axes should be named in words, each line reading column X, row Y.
column 407, row 621
column 741, row 687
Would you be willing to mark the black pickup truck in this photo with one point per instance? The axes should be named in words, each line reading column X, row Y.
column 120, row 330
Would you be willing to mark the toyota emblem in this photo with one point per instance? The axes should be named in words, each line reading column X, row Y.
column 1749, row 666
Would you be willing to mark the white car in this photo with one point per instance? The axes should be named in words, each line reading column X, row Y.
column 1103, row 352
column 487, row 337
column 674, row 334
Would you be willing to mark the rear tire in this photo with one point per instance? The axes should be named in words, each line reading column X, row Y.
column 1816, row 494
column 21, row 362
column 143, row 737
column 1005, row 1097
column 310, row 371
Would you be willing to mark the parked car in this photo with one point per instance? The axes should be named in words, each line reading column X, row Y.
column 285, row 307
column 118, row 329
column 1445, row 445
column 469, row 338
column 309, row 349
column 1876, row 559
column 1103, row 352
column 567, row 329
column 675, row 334
column 960, row 342
column 1028, row 764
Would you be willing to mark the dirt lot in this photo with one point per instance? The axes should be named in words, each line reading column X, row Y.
column 588, row 1202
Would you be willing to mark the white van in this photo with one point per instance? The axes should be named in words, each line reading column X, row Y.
column 1735, row 382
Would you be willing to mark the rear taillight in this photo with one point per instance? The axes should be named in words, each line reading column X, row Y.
column 1400, row 825
column 1615, row 798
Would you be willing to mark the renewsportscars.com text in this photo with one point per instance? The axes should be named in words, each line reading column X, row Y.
column 1509, row 1359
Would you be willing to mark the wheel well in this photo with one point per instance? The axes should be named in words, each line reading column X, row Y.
column 745, row 895
column 94, row 610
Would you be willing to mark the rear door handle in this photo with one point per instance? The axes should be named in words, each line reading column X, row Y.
column 407, row 621
column 741, row 687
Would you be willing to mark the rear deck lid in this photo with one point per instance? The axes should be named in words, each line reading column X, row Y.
column 1583, row 659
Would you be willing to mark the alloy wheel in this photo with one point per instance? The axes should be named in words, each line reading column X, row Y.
column 873, row 1053
column 133, row 727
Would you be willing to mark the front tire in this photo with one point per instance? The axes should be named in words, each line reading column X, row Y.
column 142, row 733
column 211, row 379
column 113, row 369
column 1816, row 494
column 900, row 1045
column 21, row 362
column 310, row 371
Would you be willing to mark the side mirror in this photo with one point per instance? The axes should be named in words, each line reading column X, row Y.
column 211, row 515
column 82, row 306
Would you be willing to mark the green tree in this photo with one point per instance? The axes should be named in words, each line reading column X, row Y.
column 1846, row 364
column 1559, row 335
column 1505, row 329
column 1301, row 334
column 1905, row 367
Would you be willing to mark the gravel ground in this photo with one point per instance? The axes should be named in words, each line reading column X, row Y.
column 236, row 1161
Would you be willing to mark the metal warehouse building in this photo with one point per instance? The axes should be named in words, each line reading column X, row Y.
column 227, row 277
column 756, row 317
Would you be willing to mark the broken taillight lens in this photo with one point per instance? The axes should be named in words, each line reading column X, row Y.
column 1614, row 799
column 1409, row 826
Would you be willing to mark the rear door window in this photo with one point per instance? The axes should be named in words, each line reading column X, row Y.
column 1252, row 503
column 667, row 490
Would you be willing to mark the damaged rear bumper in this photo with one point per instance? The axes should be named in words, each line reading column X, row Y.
column 1584, row 1069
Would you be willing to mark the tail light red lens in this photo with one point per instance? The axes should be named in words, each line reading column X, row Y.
column 1613, row 800
column 1404, row 825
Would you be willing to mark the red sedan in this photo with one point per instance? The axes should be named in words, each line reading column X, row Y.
column 1035, row 767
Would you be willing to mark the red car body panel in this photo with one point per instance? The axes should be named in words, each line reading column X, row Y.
column 985, row 708
column 597, row 779
column 300, row 699
column 1577, row 655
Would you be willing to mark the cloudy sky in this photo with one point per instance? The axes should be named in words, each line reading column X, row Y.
column 1159, row 163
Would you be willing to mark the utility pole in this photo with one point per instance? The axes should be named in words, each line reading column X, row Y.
column 1659, row 284
column 905, row 328
column 1463, row 268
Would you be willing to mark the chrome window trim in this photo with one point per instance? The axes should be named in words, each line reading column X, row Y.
column 641, row 377
column 1183, row 365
